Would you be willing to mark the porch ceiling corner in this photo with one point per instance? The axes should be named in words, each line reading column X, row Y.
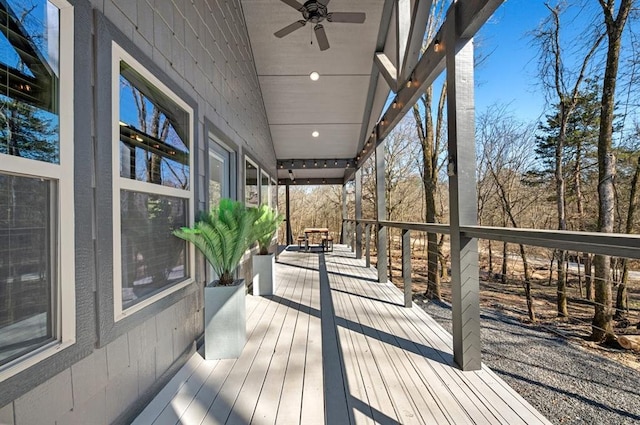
column 347, row 99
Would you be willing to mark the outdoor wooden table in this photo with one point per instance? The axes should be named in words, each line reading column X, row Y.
column 310, row 231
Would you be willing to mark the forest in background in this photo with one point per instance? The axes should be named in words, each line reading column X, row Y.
column 576, row 168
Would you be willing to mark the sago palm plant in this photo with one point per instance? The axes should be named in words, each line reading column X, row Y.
column 265, row 224
column 223, row 235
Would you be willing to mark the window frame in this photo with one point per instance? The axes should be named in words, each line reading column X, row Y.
column 216, row 148
column 247, row 159
column 273, row 200
column 63, row 229
column 120, row 183
column 267, row 187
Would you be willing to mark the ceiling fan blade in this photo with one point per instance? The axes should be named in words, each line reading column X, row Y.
column 325, row 2
column 321, row 35
column 293, row 3
column 347, row 17
column 290, row 28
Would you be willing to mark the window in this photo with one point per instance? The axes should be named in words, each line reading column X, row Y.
column 264, row 188
column 274, row 195
column 37, row 289
column 152, row 193
column 251, row 193
column 219, row 173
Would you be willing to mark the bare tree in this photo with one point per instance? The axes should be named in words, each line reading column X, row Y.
column 602, row 329
column 556, row 79
column 505, row 145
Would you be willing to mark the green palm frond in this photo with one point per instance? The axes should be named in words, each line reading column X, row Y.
column 265, row 224
column 223, row 235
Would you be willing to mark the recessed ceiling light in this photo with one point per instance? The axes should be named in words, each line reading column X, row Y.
column 315, row 134
column 314, row 76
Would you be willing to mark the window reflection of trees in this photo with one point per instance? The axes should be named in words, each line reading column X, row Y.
column 29, row 47
column 153, row 148
column 28, row 80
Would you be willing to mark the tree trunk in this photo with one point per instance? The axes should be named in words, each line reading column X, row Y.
column 503, row 275
column 562, row 285
column 622, row 302
column 427, row 139
column 602, row 328
column 527, row 285
column 490, row 260
column 588, row 277
column 579, row 274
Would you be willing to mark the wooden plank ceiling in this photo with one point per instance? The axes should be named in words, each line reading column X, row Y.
column 343, row 105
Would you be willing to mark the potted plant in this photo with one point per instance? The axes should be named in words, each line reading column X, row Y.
column 223, row 235
column 265, row 224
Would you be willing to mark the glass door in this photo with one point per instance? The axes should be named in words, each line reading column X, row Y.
column 219, row 181
column 219, row 173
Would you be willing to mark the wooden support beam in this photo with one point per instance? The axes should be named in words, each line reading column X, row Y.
column 465, row 290
column 315, row 163
column 387, row 69
column 344, row 214
column 406, row 266
column 367, row 245
column 464, row 18
column 311, row 182
column 418, row 17
column 288, row 215
column 381, row 214
column 358, row 214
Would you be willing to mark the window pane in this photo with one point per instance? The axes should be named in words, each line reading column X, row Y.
column 152, row 258
column 251, row 185
column 216, row 179
column 29, row 47
column 274, row 195
column 264, row 189
column 26, row 275
column 154, row 137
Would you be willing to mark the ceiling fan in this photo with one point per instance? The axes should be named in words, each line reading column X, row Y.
column 315, row 11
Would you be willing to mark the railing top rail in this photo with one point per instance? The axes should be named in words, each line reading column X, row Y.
column 615, row 244
column 423, row 227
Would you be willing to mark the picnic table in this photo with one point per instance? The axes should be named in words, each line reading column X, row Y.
column 310, row 231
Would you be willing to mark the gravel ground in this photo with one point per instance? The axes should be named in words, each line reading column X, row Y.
column 563, row 380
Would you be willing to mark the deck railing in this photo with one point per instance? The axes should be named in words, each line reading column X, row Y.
column 541, row 250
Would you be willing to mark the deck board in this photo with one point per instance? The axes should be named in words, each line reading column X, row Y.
column 335, row 346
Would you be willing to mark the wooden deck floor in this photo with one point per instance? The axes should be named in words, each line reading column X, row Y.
column 335, row 346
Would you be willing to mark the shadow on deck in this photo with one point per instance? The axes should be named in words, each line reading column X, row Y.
column 335, row 346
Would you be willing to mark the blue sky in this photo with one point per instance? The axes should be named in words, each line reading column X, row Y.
column 508, row 74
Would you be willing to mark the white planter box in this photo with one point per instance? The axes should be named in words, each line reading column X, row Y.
column 225, row 327
column 264, row 274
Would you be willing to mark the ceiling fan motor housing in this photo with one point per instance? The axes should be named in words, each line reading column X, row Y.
column 313, row 11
